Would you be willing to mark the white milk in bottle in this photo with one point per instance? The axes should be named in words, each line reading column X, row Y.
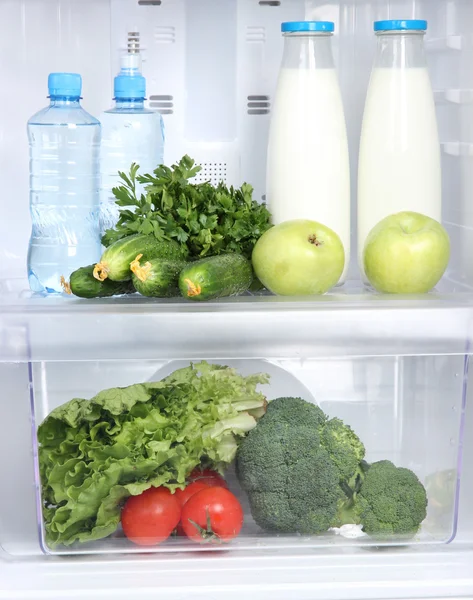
column 399, row 166
column 308, row 172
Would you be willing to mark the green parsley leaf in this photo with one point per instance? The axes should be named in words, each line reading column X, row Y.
column 208, row 219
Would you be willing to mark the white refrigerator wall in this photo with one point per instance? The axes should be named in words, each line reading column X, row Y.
column 212, row 67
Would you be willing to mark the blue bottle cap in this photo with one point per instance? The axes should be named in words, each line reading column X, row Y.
column 65, row 84
column 295, row 26
column 401, row 25
column 129, row 86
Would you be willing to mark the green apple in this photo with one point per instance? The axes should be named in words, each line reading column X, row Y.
column 406, row 253
column 299, row 258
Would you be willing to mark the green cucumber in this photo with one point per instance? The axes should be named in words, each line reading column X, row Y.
column 256, row 286
column 158, row 277
column 216, row 277
column 83, row 284
column 115, row 261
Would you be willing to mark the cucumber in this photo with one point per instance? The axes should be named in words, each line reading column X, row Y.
column 83, row 284
column 115, row 261
column 158, row 278
column 216, row 277
column 256, row 285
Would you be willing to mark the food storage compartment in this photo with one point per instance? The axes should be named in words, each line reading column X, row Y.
column 404, row 398
column 407, row 410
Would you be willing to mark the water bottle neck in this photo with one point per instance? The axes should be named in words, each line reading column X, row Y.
column 307, row 50
column 70, row 102
column 400, row 50
column 129, row 103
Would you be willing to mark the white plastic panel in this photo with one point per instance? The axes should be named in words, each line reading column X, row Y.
column 374, row 575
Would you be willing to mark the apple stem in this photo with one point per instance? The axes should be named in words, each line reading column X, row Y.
column 313, row 240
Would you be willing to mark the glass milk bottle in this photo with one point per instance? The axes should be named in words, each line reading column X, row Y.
column 399, row 165
column 308, row 173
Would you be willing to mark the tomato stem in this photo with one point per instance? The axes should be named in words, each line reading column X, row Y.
column 207, row 534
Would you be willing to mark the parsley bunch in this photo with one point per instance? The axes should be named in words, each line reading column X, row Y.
column 208, row 219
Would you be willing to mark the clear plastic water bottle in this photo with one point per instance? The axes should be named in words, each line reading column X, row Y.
column 64, row 145
column 131, row 133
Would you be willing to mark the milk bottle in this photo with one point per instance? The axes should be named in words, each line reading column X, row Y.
column 399, row 166
column 308, row 173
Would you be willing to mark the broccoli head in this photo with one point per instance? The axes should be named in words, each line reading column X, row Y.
column 292, row 464
column 388, row 501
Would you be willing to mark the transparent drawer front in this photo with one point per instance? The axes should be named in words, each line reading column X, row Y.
column 407, row 410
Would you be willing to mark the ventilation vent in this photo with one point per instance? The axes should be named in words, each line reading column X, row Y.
column 215, row 172
column 269, row 3
column 150, row 2
column 258, row 105
column 165, row 35
column 163, row 103
column 255, row 34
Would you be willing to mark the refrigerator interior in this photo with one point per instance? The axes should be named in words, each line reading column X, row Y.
column 372, row 362
column 217, row 105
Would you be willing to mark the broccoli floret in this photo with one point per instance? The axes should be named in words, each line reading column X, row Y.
column 295, row 411
column 292, row 465
column 344, row 446
column 309, row 500
column 390, row 501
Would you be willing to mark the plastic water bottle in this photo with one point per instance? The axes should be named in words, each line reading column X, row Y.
column 131, row 133
column 64, row 145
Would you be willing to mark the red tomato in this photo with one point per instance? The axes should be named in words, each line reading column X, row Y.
column 214, row 478
column 213, row 514
column 150, row 518
column 182, row 496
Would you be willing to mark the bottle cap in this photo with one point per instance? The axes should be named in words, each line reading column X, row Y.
column 65, row 84
column 294, row 26
column 129, row 86
column 401, row 25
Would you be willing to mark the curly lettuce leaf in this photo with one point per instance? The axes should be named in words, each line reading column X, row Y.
column 93, row 454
